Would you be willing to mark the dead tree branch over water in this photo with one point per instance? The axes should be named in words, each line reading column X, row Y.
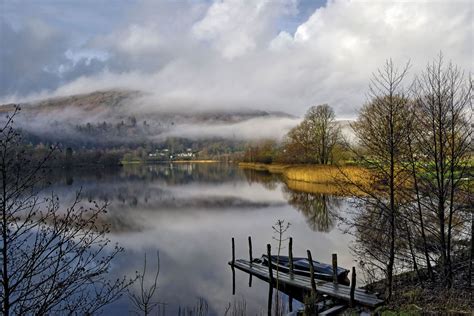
column 53, row 260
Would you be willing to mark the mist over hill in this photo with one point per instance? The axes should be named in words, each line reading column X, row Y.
column 125, row 117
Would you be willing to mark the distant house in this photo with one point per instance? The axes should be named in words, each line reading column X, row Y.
column 186, row 155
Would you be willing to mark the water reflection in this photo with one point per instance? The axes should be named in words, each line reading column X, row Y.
column 190, row 212
column 319, row 209
column 179, row 187
column 267, row 179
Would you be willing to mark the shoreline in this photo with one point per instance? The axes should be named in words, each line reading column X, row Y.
column 196, row 161
column 141, row 162
column 316, row 179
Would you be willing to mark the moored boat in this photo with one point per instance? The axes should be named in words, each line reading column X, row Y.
column 322, row 271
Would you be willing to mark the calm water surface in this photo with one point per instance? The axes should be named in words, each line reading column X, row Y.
column 190, row 212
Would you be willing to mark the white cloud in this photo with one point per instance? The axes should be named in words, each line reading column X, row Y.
column 231, row 53
column 140, row 38
column 236, row 27
column 257, row 128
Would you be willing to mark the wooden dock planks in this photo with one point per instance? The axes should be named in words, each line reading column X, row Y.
column 338, row 291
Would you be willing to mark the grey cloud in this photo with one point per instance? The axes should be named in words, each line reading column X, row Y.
column 222, row 55
column 26, row 55
column 32, row 59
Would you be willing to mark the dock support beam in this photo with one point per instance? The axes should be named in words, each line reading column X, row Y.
column 353, row 285
column 270, row 268
column 270, row 284
column 334, row 268
column 270, row 299
column 311, row 271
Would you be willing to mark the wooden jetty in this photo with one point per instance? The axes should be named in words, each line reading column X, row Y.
column 347, row 295
column 338, row 291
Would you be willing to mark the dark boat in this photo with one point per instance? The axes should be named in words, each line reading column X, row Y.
column 322, row 271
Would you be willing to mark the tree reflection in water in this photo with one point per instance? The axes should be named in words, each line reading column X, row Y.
column 267, row 179
column 319, row 209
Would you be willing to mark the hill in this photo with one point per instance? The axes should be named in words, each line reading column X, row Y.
column 129, row 118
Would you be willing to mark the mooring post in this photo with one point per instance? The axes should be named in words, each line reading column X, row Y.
column 334, row 268
column 311, row 271
column 251, row 259
column 353, row 285
column 250, row 250
column 232, row 266
column 233, row 280
column 270, row 268
column 290, row 256
column 233, row 251
column 270, row 299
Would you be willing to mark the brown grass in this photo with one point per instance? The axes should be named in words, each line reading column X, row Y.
column 314, row 188
column 317, row 178
column 325, row 174
column 322, row 174
column 273, row 168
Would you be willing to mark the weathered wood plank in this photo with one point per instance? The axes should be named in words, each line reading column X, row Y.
column 304, row 280
column 338, row 291
column 333, row 310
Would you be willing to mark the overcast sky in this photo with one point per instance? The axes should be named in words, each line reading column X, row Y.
column 265, row 54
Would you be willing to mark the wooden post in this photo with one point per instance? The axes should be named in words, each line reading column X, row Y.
column 250, row 249
column 270, row 299
column 334, row 268
column 290, row 256
column 353, row 285
column 251, row 259
column 233, row 251
column 270, row 268
column 233, row 280
column 232, row 266
column 311, row 271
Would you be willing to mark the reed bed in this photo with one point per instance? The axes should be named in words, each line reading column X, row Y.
column 321, row 174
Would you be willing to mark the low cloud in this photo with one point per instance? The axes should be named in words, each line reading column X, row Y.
column 253, row 129
column 231, row 54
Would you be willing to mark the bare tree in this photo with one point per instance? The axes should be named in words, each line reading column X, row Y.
column 382, row 129
column 324, row 131
column 314, row 139
column 298, row 147
column 143, row 301
column 279, row 228
column 443, row 94
column 53, row 260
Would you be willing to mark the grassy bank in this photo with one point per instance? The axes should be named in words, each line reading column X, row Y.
column 320, row 174
column 324, row 179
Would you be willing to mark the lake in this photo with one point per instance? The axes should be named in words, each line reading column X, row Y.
column 189, row 213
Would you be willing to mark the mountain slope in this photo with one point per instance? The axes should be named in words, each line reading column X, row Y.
column 116, row 117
